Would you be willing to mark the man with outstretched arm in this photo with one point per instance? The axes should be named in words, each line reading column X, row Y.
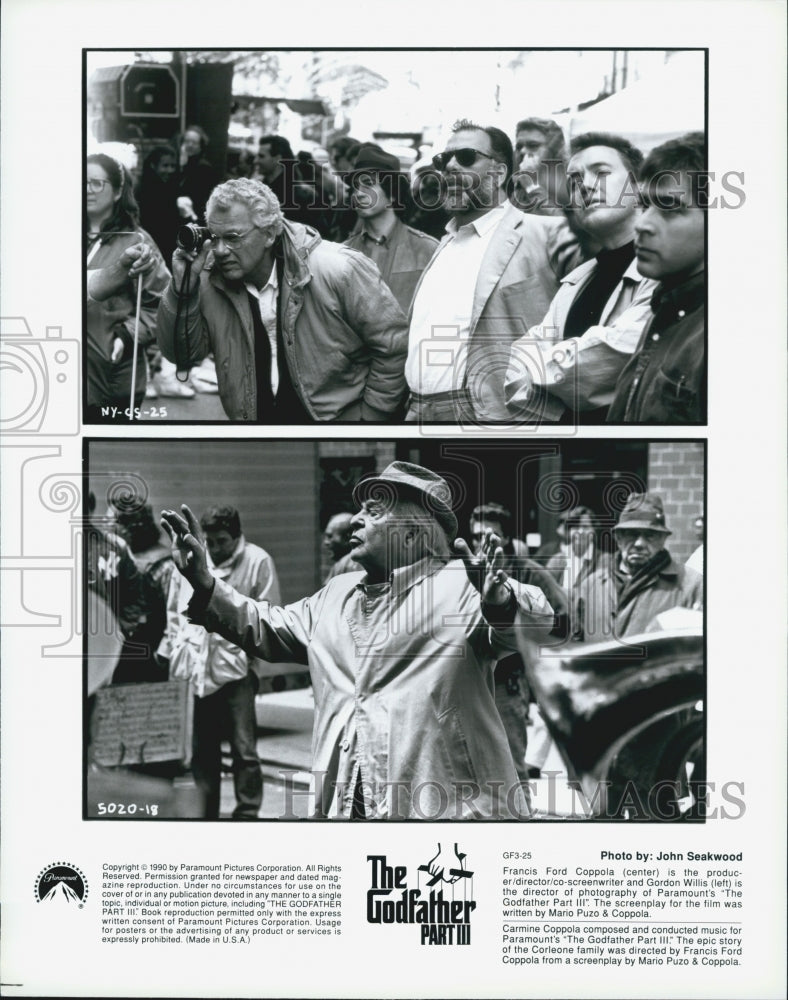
column 401, row 655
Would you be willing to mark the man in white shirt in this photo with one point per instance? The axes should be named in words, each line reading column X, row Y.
column 493, row 275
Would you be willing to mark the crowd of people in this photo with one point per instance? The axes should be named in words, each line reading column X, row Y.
column 498, row 281
column 431, row 719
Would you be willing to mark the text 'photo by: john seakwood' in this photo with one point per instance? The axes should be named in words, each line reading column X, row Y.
column 299, row 236
column 395, row 629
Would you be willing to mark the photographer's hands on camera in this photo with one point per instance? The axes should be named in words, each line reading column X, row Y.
column 187, row 266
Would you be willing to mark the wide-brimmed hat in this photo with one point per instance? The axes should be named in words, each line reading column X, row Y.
column 643, row 510
column 371, row 159
column 412, row 482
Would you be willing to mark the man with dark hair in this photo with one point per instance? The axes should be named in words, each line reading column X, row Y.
column 401, row 655
column 511, row 688
column 539, row 183
column 665, row 381
column 380, row 193
column 222, row 676
column 278, row 168
column 492, row 276
column 566, row 368
column 342, row 153
column 300, row 328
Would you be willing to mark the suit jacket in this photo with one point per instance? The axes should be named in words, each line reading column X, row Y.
column 519, row 275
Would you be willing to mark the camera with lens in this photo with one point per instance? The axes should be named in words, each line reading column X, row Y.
column 191, row 237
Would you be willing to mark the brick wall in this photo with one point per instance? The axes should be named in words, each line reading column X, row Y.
column 675, row 472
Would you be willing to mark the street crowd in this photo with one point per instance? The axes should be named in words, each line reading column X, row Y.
column 502, row 280
column 419, row 644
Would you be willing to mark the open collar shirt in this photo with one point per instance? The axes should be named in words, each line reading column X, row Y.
column 443, row 306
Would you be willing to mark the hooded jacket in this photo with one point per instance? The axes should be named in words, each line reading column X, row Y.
column 345, row 337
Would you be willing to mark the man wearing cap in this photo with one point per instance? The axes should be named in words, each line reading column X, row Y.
column 379, row 195
column 624, row 599
column 401, row 656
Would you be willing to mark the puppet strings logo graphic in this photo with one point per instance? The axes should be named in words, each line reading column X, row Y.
column 441, row 902
column 61, row 883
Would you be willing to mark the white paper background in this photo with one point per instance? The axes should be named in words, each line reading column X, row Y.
column 47, row 953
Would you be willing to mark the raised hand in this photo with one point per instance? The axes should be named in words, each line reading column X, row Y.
column 485, row 570
column 188, row 548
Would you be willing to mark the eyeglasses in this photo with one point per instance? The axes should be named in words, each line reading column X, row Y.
column 465, row 156
column 231, row 240
column 95, row 185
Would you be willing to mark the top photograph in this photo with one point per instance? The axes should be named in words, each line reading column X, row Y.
column 482, row 240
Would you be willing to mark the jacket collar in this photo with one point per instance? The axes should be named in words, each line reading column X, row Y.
column 586, row 269
column 297, row 243
column 688, row 296
column 223, row 570
column 403, row 579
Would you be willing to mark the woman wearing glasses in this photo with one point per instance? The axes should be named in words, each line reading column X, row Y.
column 119, row 254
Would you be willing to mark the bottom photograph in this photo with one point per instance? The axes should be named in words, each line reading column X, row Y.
column 401, row 629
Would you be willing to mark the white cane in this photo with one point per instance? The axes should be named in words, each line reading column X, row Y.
column 136, row 342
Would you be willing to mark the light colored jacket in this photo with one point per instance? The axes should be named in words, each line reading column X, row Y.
column 518, row 277
column 209, row 661
column 344, row 335
column 403, row 681
column 547, row 374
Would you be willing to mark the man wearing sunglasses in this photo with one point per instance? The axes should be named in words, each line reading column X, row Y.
column 301, row 329
column 492, row 276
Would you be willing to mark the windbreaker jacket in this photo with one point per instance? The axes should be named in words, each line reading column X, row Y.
column 519, row 275
column 114, row 317
column 344, row 335
column 606, row 617
column 209, row 661
column 547, row 374
column 403, row 681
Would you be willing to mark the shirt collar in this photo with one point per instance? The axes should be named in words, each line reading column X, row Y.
column 272, row 283
column 385, row 238
column 688, row 296
column 482, row 225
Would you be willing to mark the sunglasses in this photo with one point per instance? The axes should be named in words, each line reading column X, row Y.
column 466, row 157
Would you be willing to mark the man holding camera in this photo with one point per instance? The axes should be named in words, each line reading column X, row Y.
column 300, row 329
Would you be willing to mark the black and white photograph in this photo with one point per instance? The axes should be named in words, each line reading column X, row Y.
column 393, row 569
column 404, row 630
column 473, row 237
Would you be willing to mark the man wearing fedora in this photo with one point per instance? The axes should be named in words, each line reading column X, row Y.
column 379, row 194
column 624, row 598
column 401, row 655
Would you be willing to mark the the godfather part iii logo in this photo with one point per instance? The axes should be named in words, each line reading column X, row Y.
column 440, row 903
